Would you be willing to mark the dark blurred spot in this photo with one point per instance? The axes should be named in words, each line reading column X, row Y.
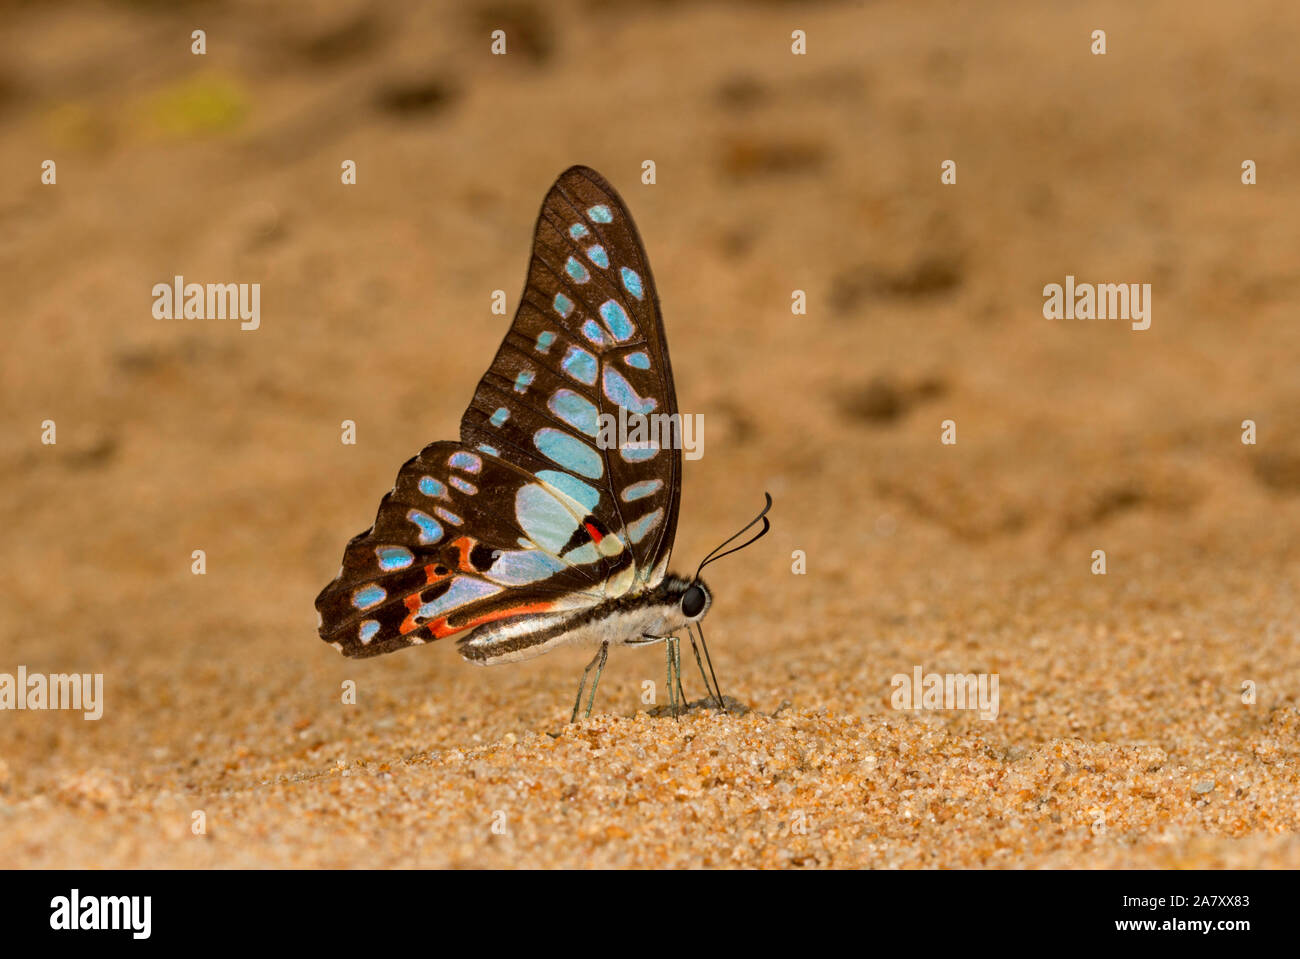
column 1279, row 470
column 1152, row 490
column 413, row 97
column 929, row 388
column 1115, row 499
column 741, row 92
column 880, row 401
column 737, row 426
column 172, row 356
column 528, row 30
column 965, row 510
column 849, row 289
column 8, row 90
column 336, row 44
column 932, row 275
column 750, row 158
column 264, row 234
column 94, row 455
column 883, row 400
column 736, row 243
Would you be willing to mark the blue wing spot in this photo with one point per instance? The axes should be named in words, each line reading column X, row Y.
column 638, row 454
column 578, row 230
column 620, row 391
column 523, row 380
column 368, row 596
column 632, row 283
column 584, row 554
column 448, row 516
column 368, row 630
column 569, row 451
column 520, row 567
column 639, row 529
column 431, row 487
column 469, row 489
column 638, row 361
column 490, row 450
column 563, row 306
column 615, row 318
column 544, row 341
column 587, row 496
column 592, row 331
column 500, row 416
column 430, row 530
column 394, row 557
column 465, row 461
column 575, row 409
column 641, row 490
column 580, row 364
column 596, row 254
column 600, row 214
column 577, row 271
column 543, row 518
column 462, row 590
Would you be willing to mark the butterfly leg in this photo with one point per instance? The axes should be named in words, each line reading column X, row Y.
column 676, row 695
column 600, row 665
column 671, row 681
column 598, row 658
column 677, row 668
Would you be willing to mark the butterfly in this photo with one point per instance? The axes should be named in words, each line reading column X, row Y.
column 535, row 530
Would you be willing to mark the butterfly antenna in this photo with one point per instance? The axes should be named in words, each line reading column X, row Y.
column 715, row 555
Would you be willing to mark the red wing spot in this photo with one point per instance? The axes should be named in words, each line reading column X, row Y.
column 463, row 546
column 595, row 534
column 435, row 573
column 413, row 605
column 441, row 628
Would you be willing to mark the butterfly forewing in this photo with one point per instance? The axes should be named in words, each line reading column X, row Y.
column 529, row 515
column 587, row 339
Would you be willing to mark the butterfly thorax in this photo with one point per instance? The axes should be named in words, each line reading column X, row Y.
column 634, row 619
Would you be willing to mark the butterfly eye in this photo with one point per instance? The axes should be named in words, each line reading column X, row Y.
column 693, row 602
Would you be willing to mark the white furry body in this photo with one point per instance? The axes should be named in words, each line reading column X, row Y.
column 512, row 640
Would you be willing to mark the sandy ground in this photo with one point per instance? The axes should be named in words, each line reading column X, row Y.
column 1123, row 737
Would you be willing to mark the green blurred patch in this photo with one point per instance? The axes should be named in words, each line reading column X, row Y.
column 200, row 105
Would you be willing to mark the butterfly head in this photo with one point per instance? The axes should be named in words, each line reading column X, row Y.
column 686, row 599
column 696, row 600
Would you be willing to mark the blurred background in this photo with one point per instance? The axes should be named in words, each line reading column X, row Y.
column 775, row 173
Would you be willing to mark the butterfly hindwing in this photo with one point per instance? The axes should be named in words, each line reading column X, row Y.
column 587, row 339
column 462, row 539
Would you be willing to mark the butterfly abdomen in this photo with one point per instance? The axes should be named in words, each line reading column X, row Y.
column 628, row 620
